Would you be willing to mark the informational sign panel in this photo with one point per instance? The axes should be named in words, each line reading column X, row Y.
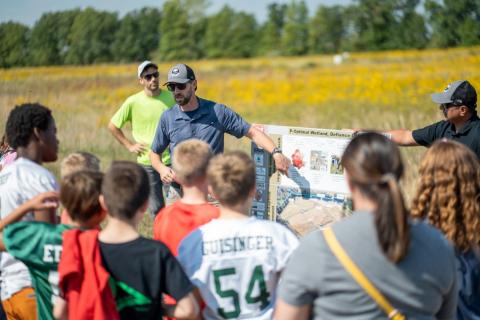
column 315, row 193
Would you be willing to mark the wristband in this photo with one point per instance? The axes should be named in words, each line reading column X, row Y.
column 276, row 150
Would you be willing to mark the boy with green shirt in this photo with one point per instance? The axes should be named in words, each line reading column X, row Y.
column 39, row 245
column 143, row 110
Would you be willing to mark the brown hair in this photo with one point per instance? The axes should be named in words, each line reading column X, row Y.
column 190, row 160
column 79, row 193
column 374, row 166
column 125, row 189
column 448, row 193
column 79, row 161
column 231, row 177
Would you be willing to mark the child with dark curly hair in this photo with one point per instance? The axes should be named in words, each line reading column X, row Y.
column 448, row 198
column 32, row 132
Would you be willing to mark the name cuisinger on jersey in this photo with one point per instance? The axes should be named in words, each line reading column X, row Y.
column 237, row 244
column 52, row 253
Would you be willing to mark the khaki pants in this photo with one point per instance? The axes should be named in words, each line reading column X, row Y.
column 21, row 306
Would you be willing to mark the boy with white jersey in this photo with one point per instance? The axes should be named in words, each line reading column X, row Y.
column 31, row 131
column 235, row 261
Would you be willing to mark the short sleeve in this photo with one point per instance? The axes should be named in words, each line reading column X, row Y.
column 285, row 246
column 23, row 240
column 296, row 286
column 38, row 183
column 176, row 282
column 232, row 122
column 189, row 253
column 161, row 139
column 123, row 115
column 426, row 136
column 47, row 183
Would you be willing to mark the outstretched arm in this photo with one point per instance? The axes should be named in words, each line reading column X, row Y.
column 402, row 137
column 262, row 140
column 133, row 147
column 43, row 201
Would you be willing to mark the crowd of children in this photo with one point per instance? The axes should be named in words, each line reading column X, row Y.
column 215, row 262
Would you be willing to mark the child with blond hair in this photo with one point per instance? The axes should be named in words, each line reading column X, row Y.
column 173, row 223
column 77, row 161
column 235, row 261
column 74, row 162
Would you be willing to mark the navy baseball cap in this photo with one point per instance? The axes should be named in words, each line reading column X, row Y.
column 180, row 73
column 459, row 93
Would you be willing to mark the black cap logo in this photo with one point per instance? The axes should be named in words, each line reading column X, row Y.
column 175, row 71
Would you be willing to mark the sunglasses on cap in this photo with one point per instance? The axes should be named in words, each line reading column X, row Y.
column 171, row 86
column 149, row 77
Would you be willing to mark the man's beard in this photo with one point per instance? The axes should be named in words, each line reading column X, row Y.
column 183, row 99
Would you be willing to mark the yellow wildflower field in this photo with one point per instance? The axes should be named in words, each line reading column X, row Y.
column 380, row 90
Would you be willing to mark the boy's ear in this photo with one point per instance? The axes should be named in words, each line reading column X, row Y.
column 101, row 199
column 37, row 133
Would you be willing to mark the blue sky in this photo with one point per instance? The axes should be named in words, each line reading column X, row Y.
column 28, row 11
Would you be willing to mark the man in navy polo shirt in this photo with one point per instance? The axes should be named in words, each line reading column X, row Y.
column 458, row 103
column 194, row 117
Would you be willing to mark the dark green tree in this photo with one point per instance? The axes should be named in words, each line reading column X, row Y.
column 91, row 37
column 327, row 30
column 138, row 35
column 198, row 24
column 271, row 31
column 454, row 22
column 294, row 39
column 13, row 48
column 243, row 36
column 176, row 38
column 412, row 31
column 49, row 44
column 218, row 33
column 376, row 25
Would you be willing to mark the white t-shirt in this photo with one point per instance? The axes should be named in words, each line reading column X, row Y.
column 236, row 265
column 19, row 182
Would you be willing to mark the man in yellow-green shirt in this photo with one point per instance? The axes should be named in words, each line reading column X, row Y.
column 143, row 110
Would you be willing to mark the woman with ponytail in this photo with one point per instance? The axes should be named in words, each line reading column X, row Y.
column 448, row 197
column 409, row 265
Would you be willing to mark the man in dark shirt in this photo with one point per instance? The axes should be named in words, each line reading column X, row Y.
column 194, row 117
column 458, row 103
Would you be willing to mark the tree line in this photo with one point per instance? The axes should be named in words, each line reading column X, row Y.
column 181, row 30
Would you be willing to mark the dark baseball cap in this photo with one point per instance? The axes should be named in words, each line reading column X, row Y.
column 460, row 93
column 180, row 73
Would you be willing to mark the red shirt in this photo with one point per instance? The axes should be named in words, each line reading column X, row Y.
column 175, row 222
column 83, row 279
